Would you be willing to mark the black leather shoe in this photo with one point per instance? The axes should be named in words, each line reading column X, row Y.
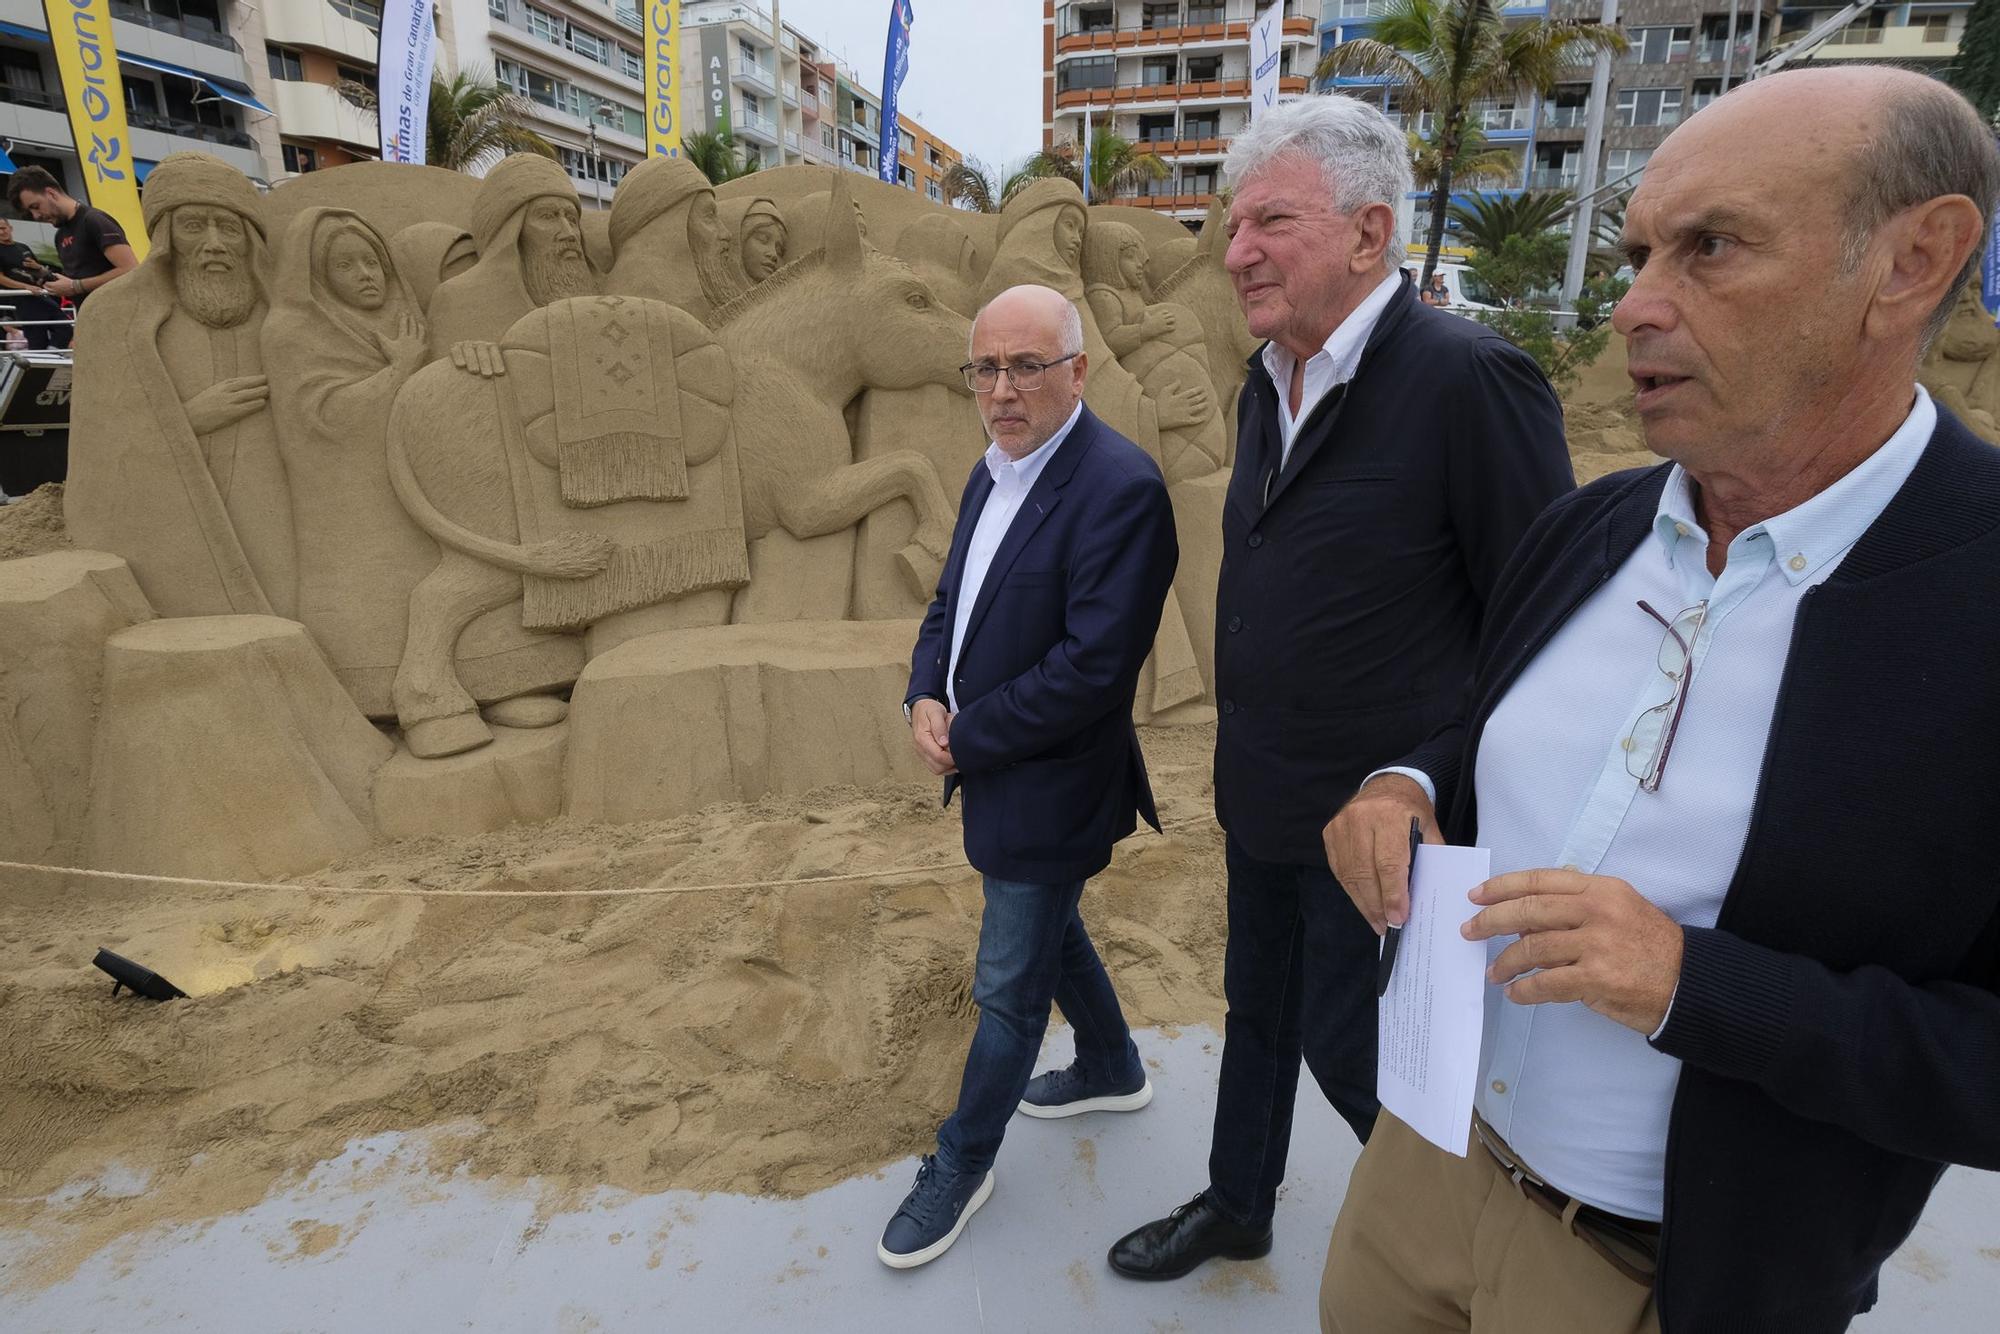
column 1177, row 1244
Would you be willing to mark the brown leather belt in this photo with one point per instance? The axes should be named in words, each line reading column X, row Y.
column 1629, row 1245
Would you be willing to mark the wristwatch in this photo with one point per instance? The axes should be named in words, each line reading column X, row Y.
column 909, row 708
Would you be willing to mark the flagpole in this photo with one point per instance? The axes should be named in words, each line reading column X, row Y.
column 1086, row 151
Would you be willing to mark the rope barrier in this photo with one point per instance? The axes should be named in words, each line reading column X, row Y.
column 410, row 892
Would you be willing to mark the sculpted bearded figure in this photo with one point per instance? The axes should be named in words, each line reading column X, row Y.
column 1963, row 368
column 667, row 240
column 527, row 228
column 176, row 465
column 754, row 237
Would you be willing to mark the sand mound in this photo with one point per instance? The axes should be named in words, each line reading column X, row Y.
column 757, row 1041
column 33, row 524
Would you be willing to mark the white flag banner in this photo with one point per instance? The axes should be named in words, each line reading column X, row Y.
column 1266, row 38
column 403, row 78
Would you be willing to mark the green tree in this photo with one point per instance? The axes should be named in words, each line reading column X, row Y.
column 980, row 188
column 1976, row 70
column 1562, row 355
column 1521, row 265
column 1484, row 221
column 472, row 120
column 1117, row 165
column 718, row 155
column 1447, row 56
column 1474, row 163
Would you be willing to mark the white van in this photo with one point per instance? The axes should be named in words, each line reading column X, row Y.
column 1465, row 294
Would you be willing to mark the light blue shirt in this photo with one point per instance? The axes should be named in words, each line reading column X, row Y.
column 1012, row 480
column 1582, row 1099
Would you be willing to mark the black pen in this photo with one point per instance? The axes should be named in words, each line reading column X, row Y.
column 1392, row 935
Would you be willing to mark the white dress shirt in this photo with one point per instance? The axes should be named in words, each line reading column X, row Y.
column 1582, row 1099
column 1332, row 365
column 1012, row 480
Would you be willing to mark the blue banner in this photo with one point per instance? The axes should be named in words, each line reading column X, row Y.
column 1990, row 270
column 895, row 68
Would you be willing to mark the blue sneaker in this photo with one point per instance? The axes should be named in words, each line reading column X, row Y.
column 932, row 1215
column 1071, row 1091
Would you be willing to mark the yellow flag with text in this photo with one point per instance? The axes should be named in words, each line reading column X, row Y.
column 663, row 67
column 80, row 31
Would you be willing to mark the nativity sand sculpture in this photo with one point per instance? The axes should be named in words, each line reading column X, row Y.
column 1962, row 370
column 407, row 502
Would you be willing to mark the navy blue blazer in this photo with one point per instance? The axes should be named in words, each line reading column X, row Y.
column 1046, row 753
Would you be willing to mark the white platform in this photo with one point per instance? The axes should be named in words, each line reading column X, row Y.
column 358, row 1249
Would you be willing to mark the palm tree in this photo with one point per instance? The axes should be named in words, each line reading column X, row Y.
column 1485, row 221
column 1117, row 165
column 718, row 155
column 980, row 188
column 472, row 120
column 1445, row 56
column 1474, row 163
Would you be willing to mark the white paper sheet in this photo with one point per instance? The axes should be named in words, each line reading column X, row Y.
column 1428, row 1023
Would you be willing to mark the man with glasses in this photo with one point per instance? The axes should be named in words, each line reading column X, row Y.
column 1020, row 698
column 1730, row 745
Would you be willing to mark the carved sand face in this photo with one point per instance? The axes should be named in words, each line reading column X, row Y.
column 211, row 256
column 763, row 250
column 552, row 262
column 354, row 272
column 1970, row 336
column 1069, row 237
column 1132, row 265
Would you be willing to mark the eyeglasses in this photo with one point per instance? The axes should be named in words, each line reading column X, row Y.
column 982, row 378
column 1651, row 739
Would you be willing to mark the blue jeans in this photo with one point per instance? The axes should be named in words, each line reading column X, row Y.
column 1299, row 976
column 1033, row 949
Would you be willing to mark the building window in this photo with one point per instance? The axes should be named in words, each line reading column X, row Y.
column 589, row 45
column 364, row 77
column 368, row 13
column 1095, row 72
column 1936, row 27
column 1206, row 13
column 1155, row 15
column 1705, row 91
column 935, row 191
column 285, row 64
column 1204, row 69
column 1088, row 18
column 299, row 159
column 497, row 8
column 1205, row 126
column 1156, row 71
column 545, row 25
column 1657, row 46
column 1198, row 181
column 1621, row 161
column 629, row 63
column 1649, row 106
column 629, row 17
column 935, row 158
column 906, row 178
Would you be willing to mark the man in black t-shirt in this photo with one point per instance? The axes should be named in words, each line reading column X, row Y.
column 89, row 242
column 21, row 279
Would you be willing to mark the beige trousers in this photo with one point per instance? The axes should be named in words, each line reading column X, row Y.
column 1428, row 1243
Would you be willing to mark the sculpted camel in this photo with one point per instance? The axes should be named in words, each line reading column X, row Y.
column 805, row 343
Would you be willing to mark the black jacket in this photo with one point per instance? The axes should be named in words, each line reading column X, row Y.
column 1839, row 1025
column 1047, row 757
column 1349, row 606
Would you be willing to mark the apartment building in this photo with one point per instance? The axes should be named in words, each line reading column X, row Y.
column 1172, row 76
column 318, row 54
column 186, row 67
column 788, row 100
column 1681, row 54
column 1920, row 36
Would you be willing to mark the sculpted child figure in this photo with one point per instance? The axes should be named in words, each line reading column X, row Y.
column 754, row 236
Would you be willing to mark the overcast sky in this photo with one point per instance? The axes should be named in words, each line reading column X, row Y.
column 975, row 66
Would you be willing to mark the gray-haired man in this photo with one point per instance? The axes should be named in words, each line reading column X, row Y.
column 1389, row 456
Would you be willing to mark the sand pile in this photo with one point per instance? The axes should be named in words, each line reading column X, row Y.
column 33, row 524
column 756, row 1041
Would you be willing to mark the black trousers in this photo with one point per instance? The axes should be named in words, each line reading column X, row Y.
column 1299, row 976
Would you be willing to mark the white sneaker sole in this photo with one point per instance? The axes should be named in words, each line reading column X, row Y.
column 942, row 1244
column 1124, row 1102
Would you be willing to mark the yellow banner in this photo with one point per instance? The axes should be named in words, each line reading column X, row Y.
column 88, row 62
column 663, row 68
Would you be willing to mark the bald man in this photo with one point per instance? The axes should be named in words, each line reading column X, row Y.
column 1731, row 748
column 1020, row 697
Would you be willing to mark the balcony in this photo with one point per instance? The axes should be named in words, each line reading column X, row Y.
column 1910, row 41
column 758, row 127
column 1564, row 118
column 316, row 111
column 1180, row 148
column 194, row 30
column 792, row 141
column 160, row 123
column 1209, row 90
column 1552, row 178
column 1505, row 120
column 40, row 99
column 791, row 93
column 750, row 74
column 816, row 151
column 1714, row 50
column 318, row 27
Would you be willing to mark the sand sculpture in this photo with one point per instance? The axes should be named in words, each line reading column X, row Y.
column 1963, row 368
column 420, row 503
